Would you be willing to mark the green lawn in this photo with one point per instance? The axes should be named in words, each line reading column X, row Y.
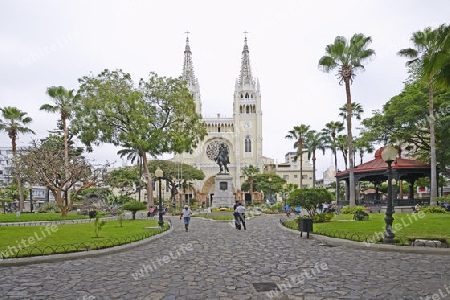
column 28, row 217
column 406, row 226
column 38, row 240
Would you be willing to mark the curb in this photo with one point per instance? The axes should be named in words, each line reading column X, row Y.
column 366, row 246
column 14, row 262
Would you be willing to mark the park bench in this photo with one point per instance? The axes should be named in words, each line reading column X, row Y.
column 360, row 216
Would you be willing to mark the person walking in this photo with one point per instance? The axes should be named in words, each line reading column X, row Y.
column 240, row 216
column 186, row 215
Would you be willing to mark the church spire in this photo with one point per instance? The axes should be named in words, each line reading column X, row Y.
column 245, row 77
column 188, row 67
column 189, row 76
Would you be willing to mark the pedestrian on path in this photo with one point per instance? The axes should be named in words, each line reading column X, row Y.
column 186, row 215
column 239, row 215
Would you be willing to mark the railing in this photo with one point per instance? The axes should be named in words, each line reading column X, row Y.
column 78, row 247
column 396, row 202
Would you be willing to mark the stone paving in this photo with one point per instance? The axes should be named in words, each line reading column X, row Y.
column 215, row 261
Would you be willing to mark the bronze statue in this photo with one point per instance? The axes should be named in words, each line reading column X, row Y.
column 222, row 158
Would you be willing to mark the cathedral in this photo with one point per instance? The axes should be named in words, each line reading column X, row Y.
column 241, row 134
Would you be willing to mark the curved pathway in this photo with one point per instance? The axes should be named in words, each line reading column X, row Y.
column 215, row 261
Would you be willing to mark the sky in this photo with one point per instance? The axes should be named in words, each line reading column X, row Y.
column 53, row 43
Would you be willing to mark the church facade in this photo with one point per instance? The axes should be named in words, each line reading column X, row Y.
column 241, row 134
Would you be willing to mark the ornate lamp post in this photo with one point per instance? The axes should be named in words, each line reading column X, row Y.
column 389, row 154
column 159, row 173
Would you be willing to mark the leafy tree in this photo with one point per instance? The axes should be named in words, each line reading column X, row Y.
column 426, row 44
column 157, row 117
column 262, row 183
column 15, row 121
column 171, row 174
column 348, row 57
column 309, row 199
column 63, row 104
column 299, row 134
column 43, row 164
column 314, row 142
column 330, row 133
column 134, row 206
column 124, row 179
column 250, row 171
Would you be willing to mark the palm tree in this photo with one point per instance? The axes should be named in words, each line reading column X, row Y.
column 357, row 111
column 342, row 143
column 132, row 155
column 347, row 56
column 250, row 171
column 63, row 103
column 363, row 146
column 314, row 142
column 329, row 133
column 299, row 133
column 426, row 46
column 13, row 122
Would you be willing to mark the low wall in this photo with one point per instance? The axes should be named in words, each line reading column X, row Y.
column 398, row 209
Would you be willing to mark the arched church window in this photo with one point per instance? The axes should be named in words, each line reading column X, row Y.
column 218, row 128
column 242, row 96
column 247, row 109
column 248, row 144
column 246, row 95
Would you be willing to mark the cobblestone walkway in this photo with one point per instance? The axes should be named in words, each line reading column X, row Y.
column 215, row 261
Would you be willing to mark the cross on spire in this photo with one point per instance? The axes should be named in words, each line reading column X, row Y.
column 187, row 33
column 245, row 33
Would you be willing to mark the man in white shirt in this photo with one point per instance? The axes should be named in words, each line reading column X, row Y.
column 240, row 216
column 186, row 214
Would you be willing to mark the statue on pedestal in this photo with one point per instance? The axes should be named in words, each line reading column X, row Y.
column 222, row 158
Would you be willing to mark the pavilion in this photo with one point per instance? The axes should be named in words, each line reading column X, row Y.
column 375, row 171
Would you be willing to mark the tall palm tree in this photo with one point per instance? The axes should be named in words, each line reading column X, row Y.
column 250, row 171
column 348, row 57
column 426, row 44
column 15, row 121
column 357, row 111
column 330, row 133
column 63, row 104
column 132, row 155
column 314, row 142
column 299, row 134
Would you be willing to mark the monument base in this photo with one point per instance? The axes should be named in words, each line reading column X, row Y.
column 223, row 195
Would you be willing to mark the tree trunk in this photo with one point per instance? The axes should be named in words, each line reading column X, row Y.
column 300, row 153
column 335, row 170
column 150, row 200
column 433, row 181
column 66, row 162
column 350, row 144
column 314, row 169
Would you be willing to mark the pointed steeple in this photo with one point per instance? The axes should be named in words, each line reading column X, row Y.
column 188, row 68
column 189, row 76
column 245, row 77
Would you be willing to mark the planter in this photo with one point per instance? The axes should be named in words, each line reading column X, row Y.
column 305, row 225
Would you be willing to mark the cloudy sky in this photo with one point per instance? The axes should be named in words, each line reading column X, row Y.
column 52, row 43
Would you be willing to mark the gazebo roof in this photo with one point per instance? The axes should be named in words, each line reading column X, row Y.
column 401, row 165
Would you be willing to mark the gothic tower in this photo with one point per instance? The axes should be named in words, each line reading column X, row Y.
column 241, row 133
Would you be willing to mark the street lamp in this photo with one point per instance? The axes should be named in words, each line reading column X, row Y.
column 389, row 154
column 270, row 188
column 159, row 173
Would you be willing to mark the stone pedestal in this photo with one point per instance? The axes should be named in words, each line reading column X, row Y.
column 223, row 195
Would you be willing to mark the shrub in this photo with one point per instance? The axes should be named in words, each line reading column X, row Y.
column 49, row 207
column 433, row 210
column 348, row 210
column 134, row 206
column 323, row 217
